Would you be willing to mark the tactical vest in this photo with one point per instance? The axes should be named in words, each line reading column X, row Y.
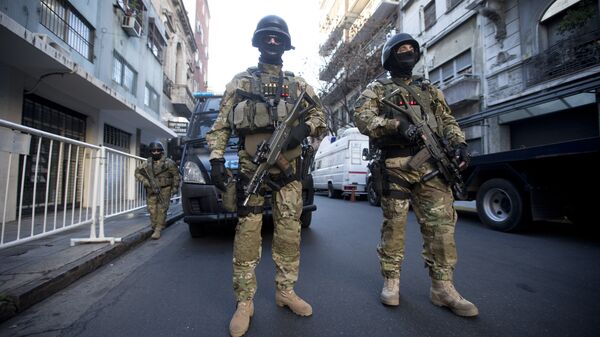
column 429, row 111
column 273, row 98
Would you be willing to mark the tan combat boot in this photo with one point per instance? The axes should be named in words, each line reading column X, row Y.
column 390, row 294
column 156, row 234
column 444, row 294
column 241, row 318
column 291, row 300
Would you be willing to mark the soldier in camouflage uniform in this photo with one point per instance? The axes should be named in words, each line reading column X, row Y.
column 432, row 200
column 254, row 101
column 160, row 177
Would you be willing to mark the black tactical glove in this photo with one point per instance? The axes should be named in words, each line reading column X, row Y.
column 461, row 152
column 408, row 131
column 298, row 133
column 218, row 174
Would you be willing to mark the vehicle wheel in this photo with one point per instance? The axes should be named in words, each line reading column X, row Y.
column 197, row 230
column 305, row 219
column 372, row 195
column 501, row 206
column 331, row 193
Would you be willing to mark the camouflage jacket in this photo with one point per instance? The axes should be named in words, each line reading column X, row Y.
column 164, row 172
column 221, row 130
column 372, row 120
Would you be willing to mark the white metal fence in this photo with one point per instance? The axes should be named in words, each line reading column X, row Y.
column 50, row 183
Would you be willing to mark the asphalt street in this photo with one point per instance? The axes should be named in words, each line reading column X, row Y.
column 543, row 282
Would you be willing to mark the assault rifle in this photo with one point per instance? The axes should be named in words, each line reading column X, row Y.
column 436, row 147
column 268, row 152
column 155, row 189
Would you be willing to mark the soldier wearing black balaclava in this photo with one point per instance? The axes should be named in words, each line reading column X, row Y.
column 160, row 178
column 402, row 183
column 253, row 118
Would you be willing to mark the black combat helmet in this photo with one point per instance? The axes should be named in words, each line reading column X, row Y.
column 272, row 24
column 390, row 46
column 156, row 145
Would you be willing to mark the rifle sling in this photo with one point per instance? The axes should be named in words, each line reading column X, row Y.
column 426, row 108
column 414, row 94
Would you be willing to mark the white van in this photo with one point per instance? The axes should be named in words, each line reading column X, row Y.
column 339, row 166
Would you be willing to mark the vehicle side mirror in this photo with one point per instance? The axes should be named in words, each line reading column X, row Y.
column 365, row 154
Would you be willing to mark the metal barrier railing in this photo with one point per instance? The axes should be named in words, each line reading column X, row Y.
column 50, row 183
column 47, row 183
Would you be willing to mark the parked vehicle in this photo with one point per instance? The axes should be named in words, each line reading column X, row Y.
column 339, row 166
column 549, row 182
column 202, row 201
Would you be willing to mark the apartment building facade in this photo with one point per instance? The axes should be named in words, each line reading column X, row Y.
column 94, row 71
column 353, row 34
column 515, row 73
column 199, row 17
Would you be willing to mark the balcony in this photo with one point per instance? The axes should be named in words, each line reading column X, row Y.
column 371, row 19
column 351, row 53
column 338, row 25
column 183, row 100
column 463, row 90
column 569, row 56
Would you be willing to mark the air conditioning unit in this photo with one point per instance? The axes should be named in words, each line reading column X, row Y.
column 131, row 26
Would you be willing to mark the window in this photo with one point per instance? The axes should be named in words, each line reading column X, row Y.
column 66, row 23
column 151, row 98
column 124, row 74
column 52, row 169
column 568, row 20
column 454, row 68
column 155, row 43
column 450, row 4
column 116, row 138
column 429, row 15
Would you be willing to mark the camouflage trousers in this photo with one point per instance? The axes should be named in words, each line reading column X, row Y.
column 287, row 208
column 158, row 210
column 433, row 205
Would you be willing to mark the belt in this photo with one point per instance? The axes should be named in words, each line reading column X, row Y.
column 400, row 151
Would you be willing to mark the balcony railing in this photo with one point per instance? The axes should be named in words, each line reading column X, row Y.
column 568, row 56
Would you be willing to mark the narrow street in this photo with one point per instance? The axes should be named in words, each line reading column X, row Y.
column 539, row 283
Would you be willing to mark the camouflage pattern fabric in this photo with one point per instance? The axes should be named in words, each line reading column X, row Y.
column 166, row 177
column 218, row 136
column 287, row 208
column 286, row 203
column 432, row 201
column 368, row 118
column 433, row 205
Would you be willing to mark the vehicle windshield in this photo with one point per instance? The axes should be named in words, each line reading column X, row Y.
column 204, row 118
column 201, row 124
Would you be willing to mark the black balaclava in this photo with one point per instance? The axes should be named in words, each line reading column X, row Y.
column 156, row 156
column 271, row 54
column 403, row 63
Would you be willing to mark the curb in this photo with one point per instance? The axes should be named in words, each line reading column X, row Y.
column 23, row 297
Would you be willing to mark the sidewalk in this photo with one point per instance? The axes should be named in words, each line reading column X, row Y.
column 35, row 270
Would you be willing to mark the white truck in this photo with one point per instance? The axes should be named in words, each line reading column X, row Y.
column 339, row 166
